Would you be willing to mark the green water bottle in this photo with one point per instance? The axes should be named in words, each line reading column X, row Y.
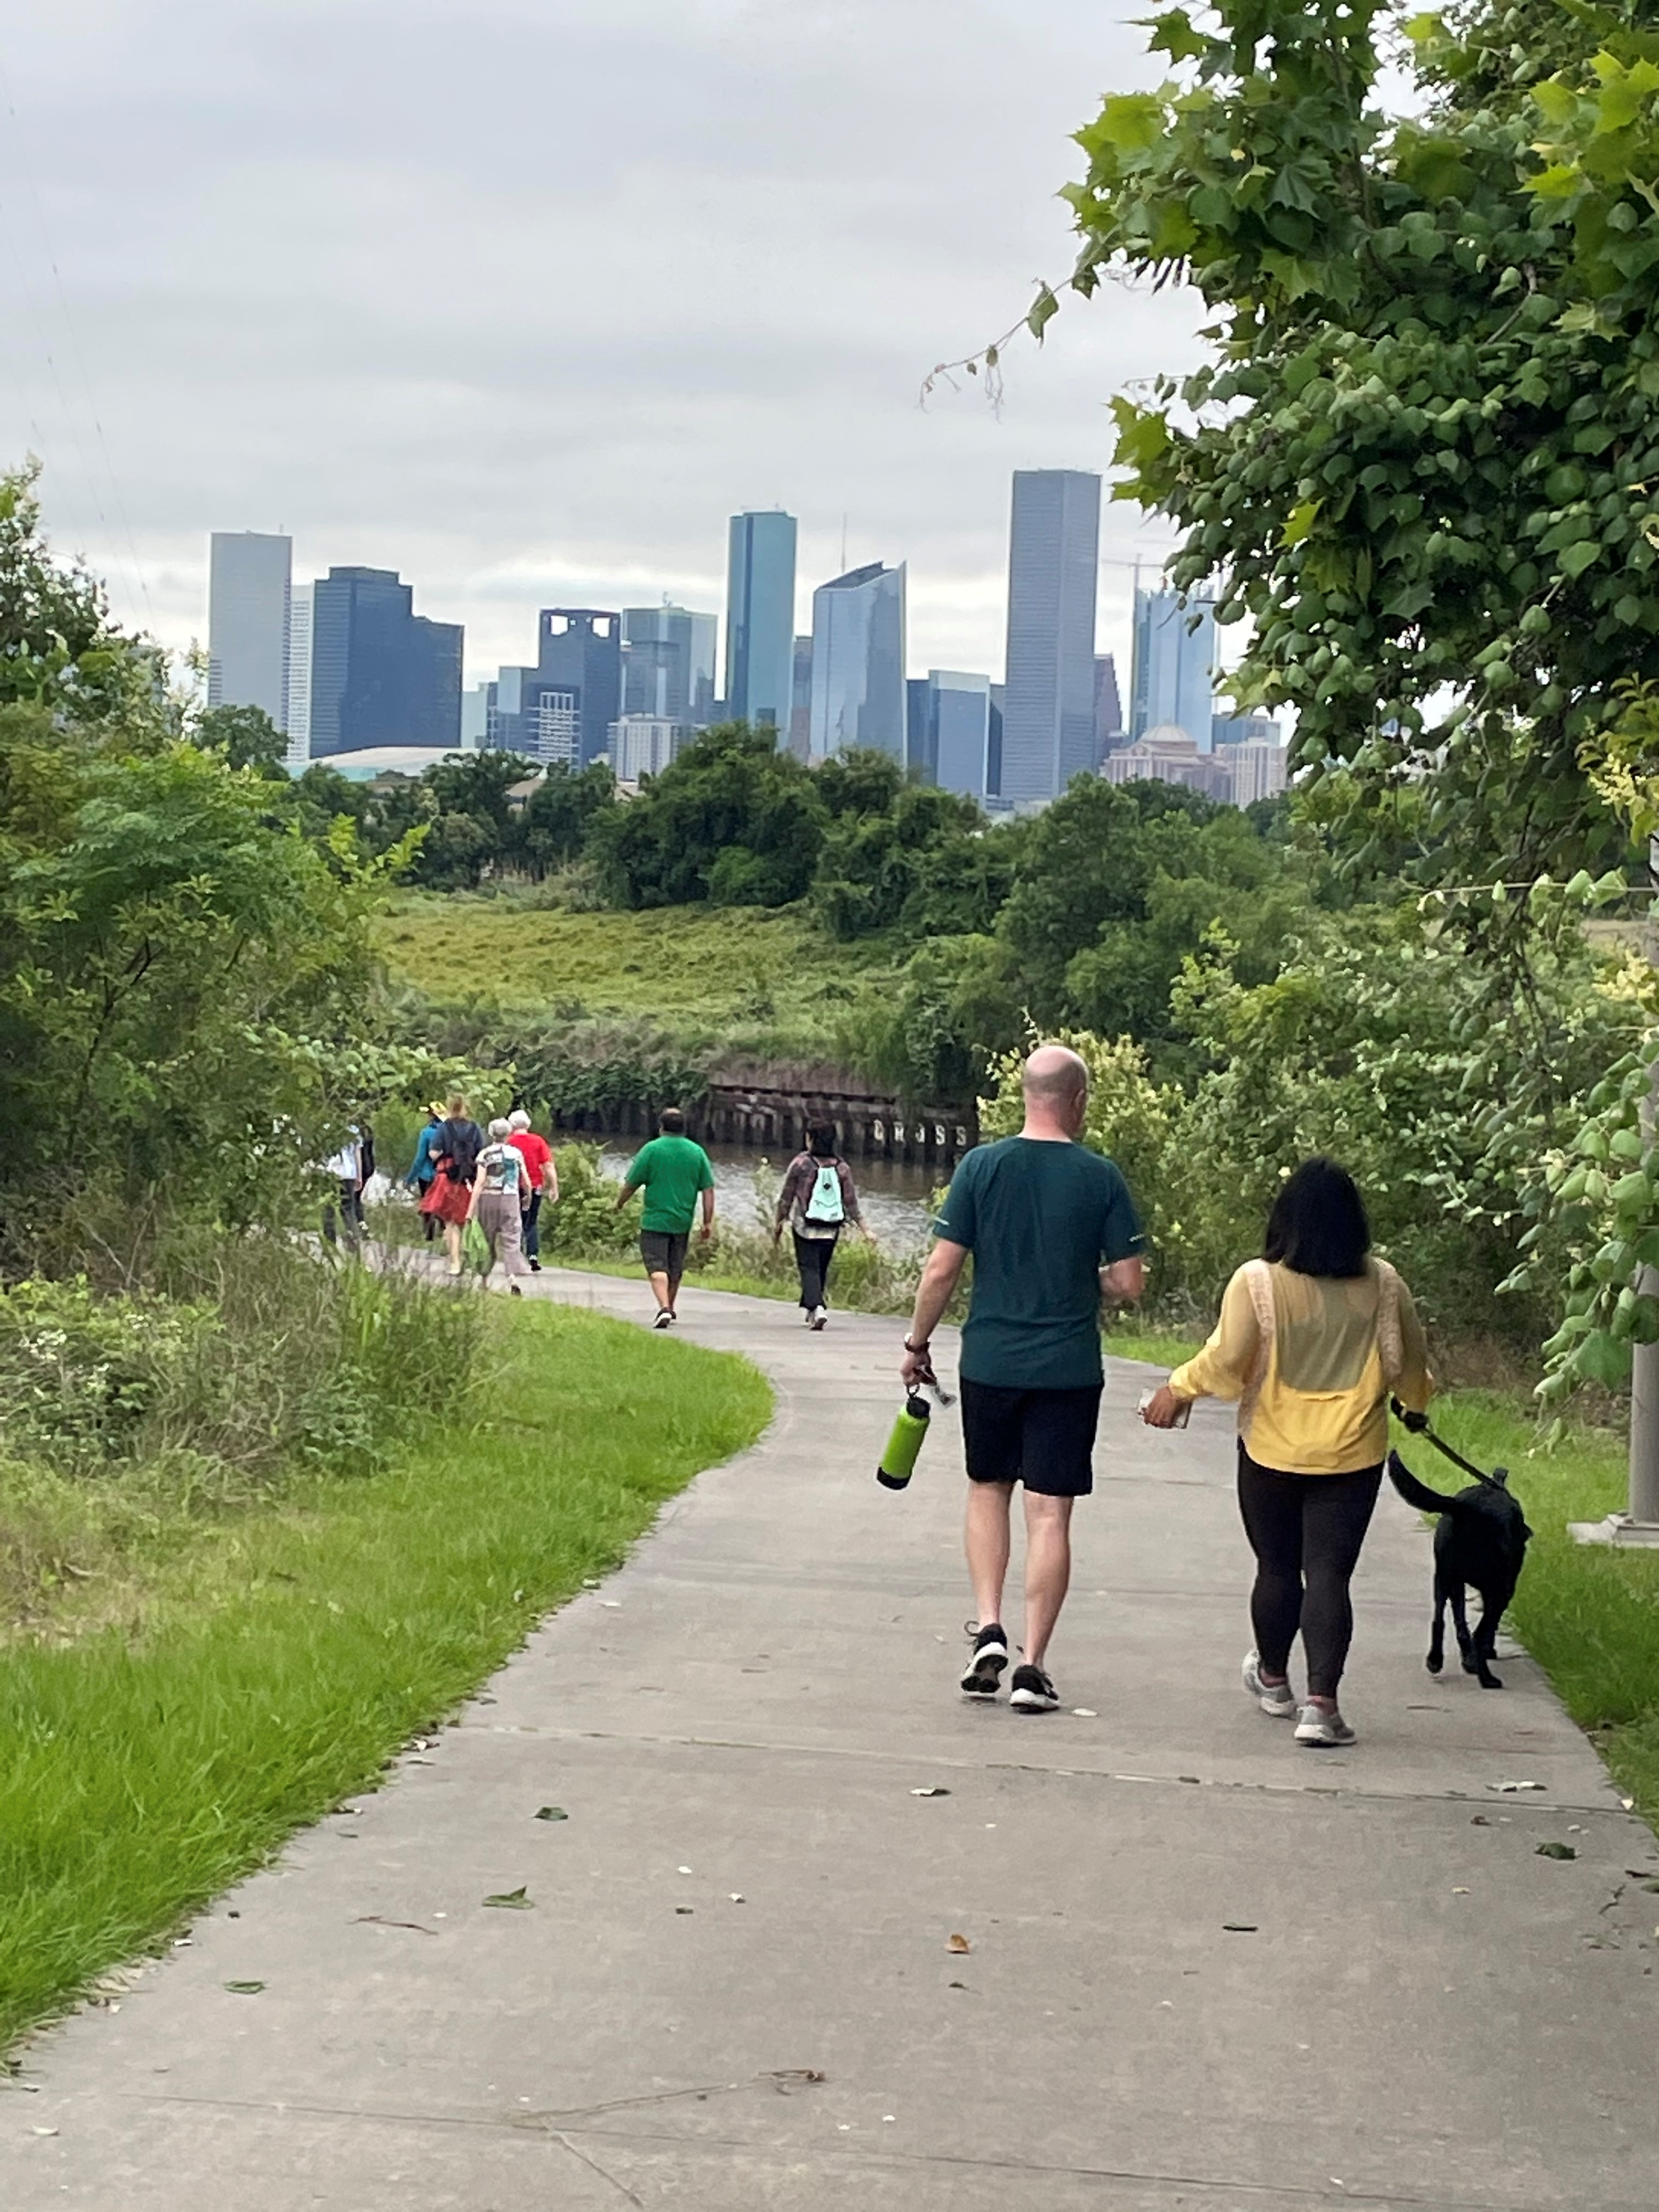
column 909, row 1434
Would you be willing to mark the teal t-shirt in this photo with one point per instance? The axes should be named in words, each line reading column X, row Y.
column 670, row 1171
column 1041, row 1220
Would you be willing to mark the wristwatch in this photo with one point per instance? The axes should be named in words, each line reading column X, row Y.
column 920, row 1350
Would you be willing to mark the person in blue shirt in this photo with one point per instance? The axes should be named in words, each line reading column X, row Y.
column 423, row 1168
column 1054, row 1232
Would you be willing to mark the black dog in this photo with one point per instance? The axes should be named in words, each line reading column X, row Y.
column 1481, row 1542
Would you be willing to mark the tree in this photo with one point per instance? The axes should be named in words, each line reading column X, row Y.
column 57, row 647
column 244, row 737
column 1083, row 865
column 731, row 820
column 883, row 865
column 186, row 977
column 560, row 813
column 1423, row 459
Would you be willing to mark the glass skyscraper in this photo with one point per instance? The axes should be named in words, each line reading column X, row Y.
column 1172, row 682
column 380, row 674
column 760, row 619
column 668, row 665
column 249, row 575
column 948, row 737
column 857, row 663
column 1054, row 559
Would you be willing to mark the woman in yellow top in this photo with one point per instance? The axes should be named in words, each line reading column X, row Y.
column 1312, row 1339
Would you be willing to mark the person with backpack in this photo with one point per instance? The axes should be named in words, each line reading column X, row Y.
column 1314, row 1337
column 500, row 1185
column 817, row 1201
column 454, row 1151
column 423, row 1168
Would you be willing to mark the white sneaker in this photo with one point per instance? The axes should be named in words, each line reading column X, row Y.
column 809, row 1315
column 1274, row 1698
column 1322, row 1728
column 820, row 1317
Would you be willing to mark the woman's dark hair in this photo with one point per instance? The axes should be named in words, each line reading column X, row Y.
column 821, row 1139
column 1318, row 1224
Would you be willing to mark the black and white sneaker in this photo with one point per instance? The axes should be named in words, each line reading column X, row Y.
column 983, row 1677
column 665, row 1320
column 1032, row 1691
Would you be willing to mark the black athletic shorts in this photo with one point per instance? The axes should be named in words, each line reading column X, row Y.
column 1043, row 1438
column 663, row 1252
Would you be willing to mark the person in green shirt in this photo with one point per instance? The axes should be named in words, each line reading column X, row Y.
column 673, row 1172
column 1053, row 1231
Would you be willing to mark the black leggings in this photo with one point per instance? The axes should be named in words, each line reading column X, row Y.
column 813, row 1257
column 1306, row 1531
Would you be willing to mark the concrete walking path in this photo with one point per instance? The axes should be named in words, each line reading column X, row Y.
column 1206, row 1970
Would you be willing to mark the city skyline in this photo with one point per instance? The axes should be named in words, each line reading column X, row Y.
column 255, row 332
column 701, row 636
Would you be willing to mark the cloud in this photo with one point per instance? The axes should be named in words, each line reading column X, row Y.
column 525, row 298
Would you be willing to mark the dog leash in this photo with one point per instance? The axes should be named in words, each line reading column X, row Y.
column 1418, row 1426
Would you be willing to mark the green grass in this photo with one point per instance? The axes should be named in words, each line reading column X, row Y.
column 697, row 965
column 279, row 1662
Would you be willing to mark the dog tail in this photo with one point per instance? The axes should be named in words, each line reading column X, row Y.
column 1415, row 1492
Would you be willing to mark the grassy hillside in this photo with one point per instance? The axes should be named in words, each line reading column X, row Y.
column 699, row 966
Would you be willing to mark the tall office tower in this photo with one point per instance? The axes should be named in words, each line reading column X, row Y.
column 248, row 580
column 380, row 674
column 800, row 700
column 1108, row 707
column 760, row 619
column 668, row 665
column 1172, row 679
column 298, row 724
column 1054, row 559
column 949, row 730
column 857, row 663
column 578, row 673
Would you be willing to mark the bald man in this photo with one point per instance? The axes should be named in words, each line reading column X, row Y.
column 1054, row 1232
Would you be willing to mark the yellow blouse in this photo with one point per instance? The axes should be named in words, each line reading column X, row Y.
column 1318, row 1402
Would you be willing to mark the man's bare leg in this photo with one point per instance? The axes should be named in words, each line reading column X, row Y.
column 1048, row 1569
column 660, row 1291
column 987, row 1544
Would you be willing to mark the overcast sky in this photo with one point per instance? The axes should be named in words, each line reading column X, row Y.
column 523, row 297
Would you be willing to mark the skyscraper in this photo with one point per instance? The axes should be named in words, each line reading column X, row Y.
column 1054, row 558
column 298, row 724
column 1108, row 707
column 249, row 573
column 668, row 665
column 760, row 619
column 1173, row 677
column 562, row 709
column 578, row 670
column 858, row 662
column 800, row 700
column 949, row 730
column 380, row 674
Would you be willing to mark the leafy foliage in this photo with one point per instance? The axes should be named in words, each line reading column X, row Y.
column 1424, row 458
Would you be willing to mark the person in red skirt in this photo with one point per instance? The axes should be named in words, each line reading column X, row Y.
column 455, row 1150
